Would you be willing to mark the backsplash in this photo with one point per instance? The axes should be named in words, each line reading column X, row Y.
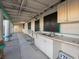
column 70, row 28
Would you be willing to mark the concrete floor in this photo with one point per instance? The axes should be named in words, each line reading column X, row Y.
column 21, row 47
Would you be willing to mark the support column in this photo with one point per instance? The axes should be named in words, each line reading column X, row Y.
column 41, row 24
column 1, row 37
column 26, row 28
column 33, row 25
column 11, row 28
column 1, row 26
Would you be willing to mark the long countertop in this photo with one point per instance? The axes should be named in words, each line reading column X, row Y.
column 68, row 40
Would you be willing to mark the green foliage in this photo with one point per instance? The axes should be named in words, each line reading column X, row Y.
column 5, row 13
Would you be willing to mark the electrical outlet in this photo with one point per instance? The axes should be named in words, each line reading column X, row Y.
column 63, row 55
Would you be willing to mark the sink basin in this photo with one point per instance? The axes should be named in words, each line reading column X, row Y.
column 49, row 35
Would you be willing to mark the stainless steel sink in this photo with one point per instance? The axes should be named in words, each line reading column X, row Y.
column 61, row 37
column 49, row 34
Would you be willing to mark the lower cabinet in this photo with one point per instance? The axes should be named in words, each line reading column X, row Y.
column 47, row 46
column 52, row 47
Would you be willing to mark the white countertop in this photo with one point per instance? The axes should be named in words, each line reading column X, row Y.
column 64, row 39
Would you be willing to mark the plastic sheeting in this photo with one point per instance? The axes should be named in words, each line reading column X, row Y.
column 6, row 24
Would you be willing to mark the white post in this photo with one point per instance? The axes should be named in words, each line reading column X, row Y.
column 11, row 27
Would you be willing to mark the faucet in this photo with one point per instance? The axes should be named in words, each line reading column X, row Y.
column 52, row 34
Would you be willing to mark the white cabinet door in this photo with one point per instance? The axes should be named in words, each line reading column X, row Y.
column 45, row 44
column 62, row 12
column 48, row 46
column 73, row 10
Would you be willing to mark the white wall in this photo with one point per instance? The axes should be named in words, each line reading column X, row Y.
column 18, row 28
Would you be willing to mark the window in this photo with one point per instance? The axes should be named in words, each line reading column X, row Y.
column 23, row 25
column 50, row 23
column 29, row 25
column 37, row 25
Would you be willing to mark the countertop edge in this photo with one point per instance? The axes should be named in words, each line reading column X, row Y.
column 63, row 41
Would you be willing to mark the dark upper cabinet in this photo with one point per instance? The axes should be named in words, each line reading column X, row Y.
column 50, row 23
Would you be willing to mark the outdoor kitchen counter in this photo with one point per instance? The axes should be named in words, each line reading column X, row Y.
column 64, row 39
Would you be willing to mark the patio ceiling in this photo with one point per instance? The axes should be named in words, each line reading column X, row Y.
column 26, row 9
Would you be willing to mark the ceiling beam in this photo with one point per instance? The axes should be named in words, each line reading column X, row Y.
column 20, row 16
column 26, row 11
column 40, row 3
column 10, row 3
column 12, row 13
column 17, row 5
column 20, row 19
column 19, row 12
column 11, row 9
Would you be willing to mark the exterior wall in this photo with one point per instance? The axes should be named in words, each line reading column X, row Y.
column 18, row 28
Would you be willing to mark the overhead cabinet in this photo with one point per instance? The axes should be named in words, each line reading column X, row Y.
column 68, row 11
column 62, row 12
column 73, row 10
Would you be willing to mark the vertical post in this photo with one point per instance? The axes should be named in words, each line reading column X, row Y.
column 26, row 28
column 1, row 26
column 1, row 36
column 11, row 27
column 41, row 23
column 33, row 25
